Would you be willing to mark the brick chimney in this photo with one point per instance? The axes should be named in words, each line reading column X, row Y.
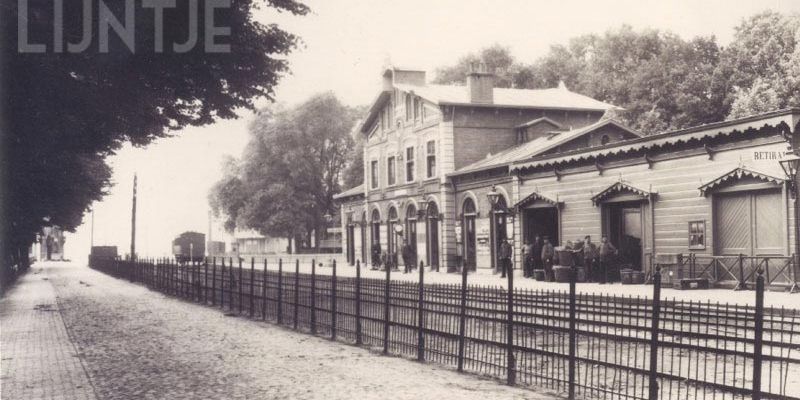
column 480, row 84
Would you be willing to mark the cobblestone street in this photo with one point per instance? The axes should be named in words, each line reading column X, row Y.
column 69, row 332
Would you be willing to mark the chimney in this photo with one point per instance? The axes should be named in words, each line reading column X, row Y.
column 480, row 84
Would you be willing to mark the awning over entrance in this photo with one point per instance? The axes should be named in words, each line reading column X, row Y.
column 621, row 187
column 534, row 197
column 737, row 174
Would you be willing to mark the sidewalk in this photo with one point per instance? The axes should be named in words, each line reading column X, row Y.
column 135, row 343
column 39, row 361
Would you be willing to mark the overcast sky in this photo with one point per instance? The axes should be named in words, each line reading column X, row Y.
column 345, row 44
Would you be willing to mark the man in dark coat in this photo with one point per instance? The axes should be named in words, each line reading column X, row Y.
column 408, row 257
column 537, row 253
column 527, row 258
column 590, row 259
column 548, row 254
column 607, row 252
column 376, row 255
column 505, row 254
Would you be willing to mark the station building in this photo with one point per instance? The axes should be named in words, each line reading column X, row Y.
column 434, row 153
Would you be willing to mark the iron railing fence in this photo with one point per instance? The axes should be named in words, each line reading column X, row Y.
column 736, row 271
column 581, row 345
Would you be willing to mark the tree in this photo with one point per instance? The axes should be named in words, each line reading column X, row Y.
column 497, row 58
column 289, row 171
column 65, row 112
column 354, row 172
column 760, row 65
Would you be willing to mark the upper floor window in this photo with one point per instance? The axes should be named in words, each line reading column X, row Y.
column 373, row 172
column 431, row 159
column 604, row 140
column 417, row 105
column 409, row 164
column 408, row 106
column 390, row 171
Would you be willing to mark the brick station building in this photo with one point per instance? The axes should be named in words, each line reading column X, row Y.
column 563, row 171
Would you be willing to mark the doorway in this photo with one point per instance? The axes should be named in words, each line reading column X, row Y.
column 541, row 222
column 470, row 253
column 364, row 250
column 624, row 229
column 432, row 234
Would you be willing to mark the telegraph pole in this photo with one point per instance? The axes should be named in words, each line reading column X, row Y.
column 133, row 221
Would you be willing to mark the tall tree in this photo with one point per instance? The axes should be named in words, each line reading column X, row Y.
column 497, row 58
column 290, row 170
column 65, row 110
column 760, row 65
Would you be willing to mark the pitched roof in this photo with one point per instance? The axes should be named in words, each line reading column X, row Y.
column 538, row 146
column 535, row 196
column 739, row 173
column 619, row 187
column 784, row 119
column 539, row 121
column 553, row 98
column 352, row 192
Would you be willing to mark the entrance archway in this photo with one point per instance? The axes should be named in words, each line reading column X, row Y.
column 375, row 249
column 411, row 229
column 498, row 228
column 391, row 239
column 364, row 248
column 470, row 213
column 432, row 235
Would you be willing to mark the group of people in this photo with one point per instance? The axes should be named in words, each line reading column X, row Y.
column 383, row 259
column 541, row 255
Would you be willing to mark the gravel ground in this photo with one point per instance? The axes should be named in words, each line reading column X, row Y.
column 136, row 343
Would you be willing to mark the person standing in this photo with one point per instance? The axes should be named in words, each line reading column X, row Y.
column 548, row 254
column 607, row 252
column 537, row 253
column 590, row 259
column 527, row 259
column 376, row 255
column 408, row 257
column 506, row 253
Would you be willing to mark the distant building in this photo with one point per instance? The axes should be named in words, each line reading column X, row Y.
column 250, row 243
column 50, row 245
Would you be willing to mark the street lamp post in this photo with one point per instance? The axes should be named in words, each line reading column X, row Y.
column 790, row 166
column 494, row 198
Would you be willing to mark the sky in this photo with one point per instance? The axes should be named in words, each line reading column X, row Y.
column 344, row 46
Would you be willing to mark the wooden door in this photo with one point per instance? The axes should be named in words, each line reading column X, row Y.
column 748, row 223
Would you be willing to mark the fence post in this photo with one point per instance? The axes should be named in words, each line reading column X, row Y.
column 313, row 296
column 240, row 285
column 573, row 277
column 386, row 316
column 280, row 291
column 758, row 335
column 462, row 319
column 358, row 302
column 510, row 361
column 296, row 290
column 333, row 301
column 264, row 292
column 232, row 284
column 654, row 335
column 421, row 315
column 222, row 284
column 252, row 283
column 205, row 281
column 742, row 284
column 214, row 281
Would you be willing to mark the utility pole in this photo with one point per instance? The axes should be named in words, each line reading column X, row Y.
column 133, row 221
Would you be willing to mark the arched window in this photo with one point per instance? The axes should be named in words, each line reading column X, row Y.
column 604, row 140
column 432, row 234
column 469, row 234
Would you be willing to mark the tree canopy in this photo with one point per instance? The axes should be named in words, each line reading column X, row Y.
column 662, row 80
column 284, row 183
column 65, row 111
